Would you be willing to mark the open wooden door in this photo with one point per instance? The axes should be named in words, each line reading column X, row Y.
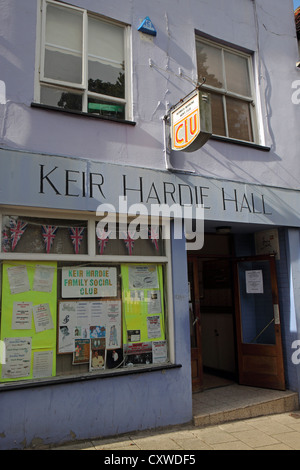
column 195, row 324
column 259, row 343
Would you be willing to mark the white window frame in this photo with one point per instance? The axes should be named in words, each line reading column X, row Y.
column 93, row 257
column 226, row 93
column 81, row 88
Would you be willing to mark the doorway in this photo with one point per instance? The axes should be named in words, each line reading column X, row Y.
column 234, row 318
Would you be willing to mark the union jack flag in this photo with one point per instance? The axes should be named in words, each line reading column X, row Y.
column 76, row 235
column 153, row 233
column 102, row 237
column 17, row 228
column 129, row 241
column 48, row 233
column 5, row 241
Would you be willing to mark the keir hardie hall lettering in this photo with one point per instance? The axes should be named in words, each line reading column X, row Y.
column 74, row 183
column 245, row 202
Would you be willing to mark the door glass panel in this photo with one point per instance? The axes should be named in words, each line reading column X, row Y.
column 192, row 305
column 256, row 303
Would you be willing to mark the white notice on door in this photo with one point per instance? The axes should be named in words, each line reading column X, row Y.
column 254, row 282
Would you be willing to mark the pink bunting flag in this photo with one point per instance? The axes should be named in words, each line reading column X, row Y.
column 17, row 228
column 154, row 235
column 48, row 234
column 76, row 235
column 102, row 238
column 129, row 241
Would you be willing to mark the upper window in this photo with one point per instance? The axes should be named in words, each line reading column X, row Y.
column 83, row 62
column 228, row 78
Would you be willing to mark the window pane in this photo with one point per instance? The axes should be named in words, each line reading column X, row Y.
column 63, row 66
column 106, row 40
column 63, row 53
column 61, row 98
column 218, row 122
column 238, row 117
column 106, row 78
column 209, row 62
column 237, row 77
column 106, row 108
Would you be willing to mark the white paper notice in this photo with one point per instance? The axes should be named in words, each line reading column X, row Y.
column 22, row 316
column 18, row 279
column 154, row 302
column 143, row 277
column 42, row 364
column 254, row 282
column 153, row 326
column 42, row 318
column 43, row 278
column 66, row 327
column 159, row 351
column 113, row 325
column 18, row 358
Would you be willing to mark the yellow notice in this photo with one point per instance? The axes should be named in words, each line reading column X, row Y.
column 29, row 313
column 143, row 303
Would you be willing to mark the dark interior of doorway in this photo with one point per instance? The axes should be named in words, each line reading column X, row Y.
column 217, row 313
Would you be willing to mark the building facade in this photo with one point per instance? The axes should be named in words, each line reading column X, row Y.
column 149, row 210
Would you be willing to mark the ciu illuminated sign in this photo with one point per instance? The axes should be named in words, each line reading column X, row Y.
column 185, row 123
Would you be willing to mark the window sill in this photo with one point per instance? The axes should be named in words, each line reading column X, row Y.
column 241, row 142
column 80, row 113
column 4, row 387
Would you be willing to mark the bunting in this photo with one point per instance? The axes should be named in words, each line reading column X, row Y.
column 102, row 238
column 48, row 233
column 17, row 228
column 128, row 238
column 153, row 234
column 5, row 241
column 76, row 235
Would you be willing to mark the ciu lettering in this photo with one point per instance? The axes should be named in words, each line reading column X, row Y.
column 186, row 130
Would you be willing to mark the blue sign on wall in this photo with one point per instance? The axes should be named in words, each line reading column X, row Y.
column 147, row 27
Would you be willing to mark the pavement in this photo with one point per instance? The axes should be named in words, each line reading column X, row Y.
column 226, row 416
column 273, row 432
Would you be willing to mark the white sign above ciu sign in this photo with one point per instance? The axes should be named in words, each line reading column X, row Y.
column 89, row 282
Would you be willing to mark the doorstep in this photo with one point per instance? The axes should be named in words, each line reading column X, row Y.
column 234, row 402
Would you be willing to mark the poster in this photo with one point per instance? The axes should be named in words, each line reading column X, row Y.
column 154, row 301
column 66, row 327
column 42, row 364
column 18, row 279
column 42, row 318
column 18, row 358
column 159, row 352
column 267, row 242
column 143, row 277
column 89, row 282
column 22, row 316
column 43, row 278
column 28, row 313
column 153, row 326
column 97, row 354
column 81, row 354
column 138, row 353
column 89, row 319
column 254, row 282
column 143, row 304
column 113, row 325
